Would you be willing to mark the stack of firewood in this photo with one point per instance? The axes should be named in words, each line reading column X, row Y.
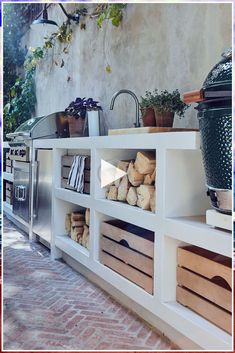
column 77, row 227
column 137, row 187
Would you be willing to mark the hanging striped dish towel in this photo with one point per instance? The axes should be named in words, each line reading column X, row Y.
column 76, row 174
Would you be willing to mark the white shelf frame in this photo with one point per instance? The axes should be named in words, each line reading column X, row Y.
column 177, row 220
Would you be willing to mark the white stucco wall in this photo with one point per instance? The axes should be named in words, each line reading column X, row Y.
column 165, row 46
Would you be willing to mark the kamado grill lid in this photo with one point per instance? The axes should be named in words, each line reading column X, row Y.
column 217, row 85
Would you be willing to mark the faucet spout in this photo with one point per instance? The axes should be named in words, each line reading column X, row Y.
column 127, row 91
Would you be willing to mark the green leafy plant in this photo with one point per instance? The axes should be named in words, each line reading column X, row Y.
column 112, row 12
column 164, row 102
column 22, row 97
column 19, row 89
column 63, row 35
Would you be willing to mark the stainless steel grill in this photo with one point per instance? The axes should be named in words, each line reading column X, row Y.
column 21, row 147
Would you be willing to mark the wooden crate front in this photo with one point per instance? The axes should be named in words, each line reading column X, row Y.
column 128, row 252
column 204, row 284
column 66, row 163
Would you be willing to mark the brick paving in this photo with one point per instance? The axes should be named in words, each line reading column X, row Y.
column 49, row 306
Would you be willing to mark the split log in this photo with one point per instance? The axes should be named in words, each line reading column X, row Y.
column 145, row 162
column 68, row 223
column 77, row 216
column 123, row 189
column 153, row 201
column 85, row 235
column 134, row 176
column 150, row 178
column 144, row 193
column 87, row 216
column 123, row 165
column 113, row 193
column 132, row 196
column 76, row 233
column 77, row 224
column 87, row 242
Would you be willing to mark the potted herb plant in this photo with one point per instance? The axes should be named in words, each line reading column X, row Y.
column 83, row 115
column 147, row 110
column 165, row 105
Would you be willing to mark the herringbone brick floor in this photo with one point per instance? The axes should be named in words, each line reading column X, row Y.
column 48, row 306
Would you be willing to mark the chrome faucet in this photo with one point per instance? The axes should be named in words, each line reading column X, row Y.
column 137, row 115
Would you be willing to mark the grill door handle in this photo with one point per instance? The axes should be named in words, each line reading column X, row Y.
column 21, row 193
column 16, row 191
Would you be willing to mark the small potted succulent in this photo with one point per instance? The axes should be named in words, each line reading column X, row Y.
column 80, row 117
column 165, row 105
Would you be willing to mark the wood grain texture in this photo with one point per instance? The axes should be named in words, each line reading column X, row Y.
column 129, row 272
column 135, row 242
column 205, row 288
column 204, row 266
column 209, row 311
column 127, row 255
column 146, row 130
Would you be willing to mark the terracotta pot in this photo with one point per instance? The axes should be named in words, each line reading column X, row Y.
column 148, row 117
column 164, row 119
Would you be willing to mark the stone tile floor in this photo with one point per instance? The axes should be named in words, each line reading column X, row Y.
column 49, row 306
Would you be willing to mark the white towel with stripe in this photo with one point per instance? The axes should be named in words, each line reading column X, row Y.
column 76, row 174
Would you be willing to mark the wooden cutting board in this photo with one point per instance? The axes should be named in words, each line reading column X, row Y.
column 146, row 130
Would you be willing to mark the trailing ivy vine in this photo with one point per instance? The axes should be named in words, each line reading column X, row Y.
column 19, row 89
column 112, row 12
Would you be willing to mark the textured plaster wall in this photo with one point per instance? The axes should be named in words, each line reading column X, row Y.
column 165, row 46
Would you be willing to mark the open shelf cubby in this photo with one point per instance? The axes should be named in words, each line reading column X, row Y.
column 72, row 227
column 128, row 250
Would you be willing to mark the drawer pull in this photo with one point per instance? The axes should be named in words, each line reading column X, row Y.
column 124, row 243
column 221, row 282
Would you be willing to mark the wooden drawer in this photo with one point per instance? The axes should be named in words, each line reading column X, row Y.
column 66, row 170
column 204, row 285
column 67, row 161
column 128, row 250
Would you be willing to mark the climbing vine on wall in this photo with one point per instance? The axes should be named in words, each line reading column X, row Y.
column 19, row 88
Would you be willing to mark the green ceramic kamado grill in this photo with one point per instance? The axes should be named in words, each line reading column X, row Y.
column 215, row 124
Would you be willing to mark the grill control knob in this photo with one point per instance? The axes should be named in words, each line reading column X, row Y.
column 22, row 153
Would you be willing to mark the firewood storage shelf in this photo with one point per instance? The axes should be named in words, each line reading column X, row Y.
column 181, row 204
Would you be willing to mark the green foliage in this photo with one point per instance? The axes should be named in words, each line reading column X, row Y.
column 22, row 97
column 164, row 102
column 15, row 25
column 112, row 12
column 63, row 35
column 19, row 68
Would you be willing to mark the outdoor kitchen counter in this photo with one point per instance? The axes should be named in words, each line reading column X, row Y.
column 179, row 219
